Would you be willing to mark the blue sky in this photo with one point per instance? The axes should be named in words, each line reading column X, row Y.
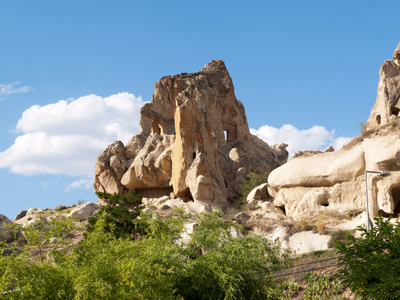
column 75, row 73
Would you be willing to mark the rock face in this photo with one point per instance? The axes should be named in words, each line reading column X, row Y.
column 194, row 143
column 313, row 183
column 387, row 106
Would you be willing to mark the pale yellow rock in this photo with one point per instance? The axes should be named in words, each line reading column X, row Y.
column 323, row 169
column 387, row 105
column 315, row 183
column 194, row 142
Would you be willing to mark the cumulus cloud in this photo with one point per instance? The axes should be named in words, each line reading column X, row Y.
column 82, row 183
column 66, row 137
column 314, row 138
column 12, row 88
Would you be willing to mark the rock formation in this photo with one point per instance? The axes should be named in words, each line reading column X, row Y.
column 313, row 183
column 387, row 106
column 194, row 143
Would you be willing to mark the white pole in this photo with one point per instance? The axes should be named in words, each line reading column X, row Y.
column 382, row 173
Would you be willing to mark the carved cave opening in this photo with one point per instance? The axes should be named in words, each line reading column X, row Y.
column 395, row 193
column 394, row 111
column 155, row 192
column 230, row 132
column 156, row 126
column 396, row 199
column 186, row 195
column 324, row 202
column 378, row 119
column 282, row 209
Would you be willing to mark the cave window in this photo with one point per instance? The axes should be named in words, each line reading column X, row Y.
column 378, row 119
column 194, row 155
column 230, row 132
column 282, row 209
column 156, row 126
column 394, row 111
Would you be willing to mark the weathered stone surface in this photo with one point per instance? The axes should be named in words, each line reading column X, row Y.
column 194, row 142
column 306, row 241
column 6, row 235
column 84, row 211
column 242, row 217
column 315, row 182
column 387, row 106
column 259, row 193
column 20, row 215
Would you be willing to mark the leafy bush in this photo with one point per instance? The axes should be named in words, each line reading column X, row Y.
column 340, row 235
column 370, row 263
column 287, row 290
column 156, row 266
column 254, row 179
column 120, row 214
column 321, row 286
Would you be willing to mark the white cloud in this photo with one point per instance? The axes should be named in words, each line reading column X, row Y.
column 82, row 183
column 11, row 88
column 67, row 136
column 314, row 138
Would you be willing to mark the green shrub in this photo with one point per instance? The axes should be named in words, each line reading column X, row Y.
column 156, row 266
column 254, row 179
column 120, row 215
column 370, row 263
column 321, row 286
column 340, row 235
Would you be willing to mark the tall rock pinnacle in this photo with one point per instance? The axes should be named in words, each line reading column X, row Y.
column 194, row 143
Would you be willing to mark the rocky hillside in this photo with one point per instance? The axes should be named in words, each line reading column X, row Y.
column 195, row 148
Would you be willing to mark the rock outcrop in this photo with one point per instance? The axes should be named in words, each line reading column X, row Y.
column 387, row 106
column 313, row 183
column 194, row 143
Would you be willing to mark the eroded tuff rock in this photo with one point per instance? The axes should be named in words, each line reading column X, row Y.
column 313, row 183
column 194, row 143
column 387, row 106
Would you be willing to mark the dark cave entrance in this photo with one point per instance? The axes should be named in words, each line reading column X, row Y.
column 396, row 199
column 394, row 111
column 378, row 119
column 395, row 192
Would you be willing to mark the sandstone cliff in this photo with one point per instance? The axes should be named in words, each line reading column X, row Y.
column 310, row 184
column 194, row 143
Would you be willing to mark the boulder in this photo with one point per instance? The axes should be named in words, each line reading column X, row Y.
column 84, row 211
column 194, row 142
column 307, row 241
column 259, row 193
column 6, row 235
column 242, row 217
column 21, row 215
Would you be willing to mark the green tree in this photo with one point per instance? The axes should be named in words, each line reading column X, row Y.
column 159, row 265
column 120, row 214
column 370, row 263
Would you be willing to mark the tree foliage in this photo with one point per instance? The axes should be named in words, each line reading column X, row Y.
column 159, row 265
column 370, row 263
column 254, row 179
column 120, row 214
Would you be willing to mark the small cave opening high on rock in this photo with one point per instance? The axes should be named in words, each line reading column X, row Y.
column 378, row 120
column 156, row 126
